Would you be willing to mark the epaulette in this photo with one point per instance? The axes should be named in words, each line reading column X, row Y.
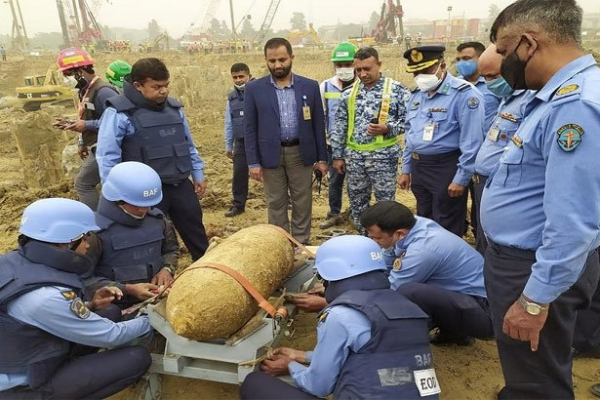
column 464, row 87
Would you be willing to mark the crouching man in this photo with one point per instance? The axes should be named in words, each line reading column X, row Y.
column 139, row 245
column 44, row 322
column 371, row 342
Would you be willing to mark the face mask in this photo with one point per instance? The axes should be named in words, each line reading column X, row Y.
column 513, row 70
column 81, row 82
column 499, row 87
column 70, row 81
column 466, row 68
column 240, row 87
column 345, row 74
column 427, row 82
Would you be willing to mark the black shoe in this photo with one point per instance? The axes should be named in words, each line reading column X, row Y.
column 441, row 339
column 233, row 211
column 590, row 352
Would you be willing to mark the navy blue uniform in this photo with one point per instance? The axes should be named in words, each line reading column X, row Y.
column 234, row 142
column 541, row 215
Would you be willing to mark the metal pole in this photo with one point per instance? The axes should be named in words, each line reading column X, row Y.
column 233, row 33
column 63, row 23
column 449, row 26
column 22, row 23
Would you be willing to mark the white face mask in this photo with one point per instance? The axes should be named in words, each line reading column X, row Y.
column 70, row 81
column 427, row 82
column 240, row 87
column 345, row 74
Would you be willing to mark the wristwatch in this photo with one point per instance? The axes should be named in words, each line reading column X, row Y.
column 531, row 308
column 169, row 269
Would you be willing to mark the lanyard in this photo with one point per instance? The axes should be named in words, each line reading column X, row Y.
column 81, row 107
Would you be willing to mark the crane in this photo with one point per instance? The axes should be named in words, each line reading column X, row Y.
column 79, row 26
column 390, row 22
column 266, row 25
column 19, row 34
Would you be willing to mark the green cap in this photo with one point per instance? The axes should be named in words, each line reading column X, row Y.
column 116, row 71
column 343, row 52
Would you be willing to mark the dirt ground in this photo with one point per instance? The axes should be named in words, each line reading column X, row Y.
column 30, row 150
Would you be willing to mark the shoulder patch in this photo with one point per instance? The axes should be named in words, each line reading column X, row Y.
column 78, row 308
column 473, row 102
column 567, row 89
column 68, row 294
column 569, row 137
column 397, row 266
column 323, row 316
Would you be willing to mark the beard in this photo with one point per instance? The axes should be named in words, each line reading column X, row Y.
column 281, row 72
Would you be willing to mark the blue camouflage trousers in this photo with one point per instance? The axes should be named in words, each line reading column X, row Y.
column 368, row 175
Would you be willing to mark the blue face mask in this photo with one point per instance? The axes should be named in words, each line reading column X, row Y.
column 466, row 68
column 499, row 87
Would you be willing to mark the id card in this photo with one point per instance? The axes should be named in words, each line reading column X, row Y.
column 493, row 134
column 306, row 112
column 428, row 132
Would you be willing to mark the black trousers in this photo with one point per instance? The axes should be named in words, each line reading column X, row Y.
column 478, row 186
column 456, row 314
column 431, row 176
column 94, row 376
column 181, row 205
column 262, row 386
column 546, row 373
column 239, row 183
column 587, row 326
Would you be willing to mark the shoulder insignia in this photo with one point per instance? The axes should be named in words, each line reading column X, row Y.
column 567, row 89
column 323, row 316
column 78, row 308
column 517, row 141
column 569, row 137
column 397, row 266
column 473, row 102
column 463, row 87
column 68, row 294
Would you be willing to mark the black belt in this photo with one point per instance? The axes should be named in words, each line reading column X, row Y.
column 436, row 157
column 294, row 142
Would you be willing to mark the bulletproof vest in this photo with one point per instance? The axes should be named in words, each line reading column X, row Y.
column 236, row 108
column 27, row 349
column 131, row 253
column 384, row 367
column 90, row 113
column 159, row 138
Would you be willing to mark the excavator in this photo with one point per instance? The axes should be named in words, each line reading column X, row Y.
column 311, row 33
column 38, row 90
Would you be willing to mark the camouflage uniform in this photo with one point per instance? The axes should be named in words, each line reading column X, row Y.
column 375, row 170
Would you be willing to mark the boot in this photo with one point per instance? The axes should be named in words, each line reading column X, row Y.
column 332, row 220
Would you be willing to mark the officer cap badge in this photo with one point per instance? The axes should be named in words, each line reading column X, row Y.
column 416, row 56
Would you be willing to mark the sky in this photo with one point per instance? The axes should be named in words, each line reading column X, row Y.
column 176, row 16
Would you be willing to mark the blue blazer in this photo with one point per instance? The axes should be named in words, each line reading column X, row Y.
column 262, row 131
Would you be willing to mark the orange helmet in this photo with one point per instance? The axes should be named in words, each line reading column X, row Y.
column 73, row 58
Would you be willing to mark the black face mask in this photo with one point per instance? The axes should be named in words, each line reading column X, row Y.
column 513, row 70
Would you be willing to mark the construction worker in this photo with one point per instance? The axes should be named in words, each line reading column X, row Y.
column 371, row 341
column 48, row 335
column 148, row 259
column 331, row 91
column 116, row 73
column 234, row 138
column 503, row 128
column 540, row 208
column 364, row 139
column 78, row 67
column 3, row 53
column 435, row 269
column 144, row 124
column 444, row 130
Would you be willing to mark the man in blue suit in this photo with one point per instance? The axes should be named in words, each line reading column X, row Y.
column 284, row 132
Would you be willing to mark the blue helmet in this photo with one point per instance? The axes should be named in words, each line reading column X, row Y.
column 57, row 220
column 134, row 183
column 347, row 256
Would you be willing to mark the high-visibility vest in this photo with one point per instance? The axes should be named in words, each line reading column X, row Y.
column 379, row 141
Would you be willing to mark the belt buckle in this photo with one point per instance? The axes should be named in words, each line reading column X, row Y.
column 415, row 156
column 476, row 179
